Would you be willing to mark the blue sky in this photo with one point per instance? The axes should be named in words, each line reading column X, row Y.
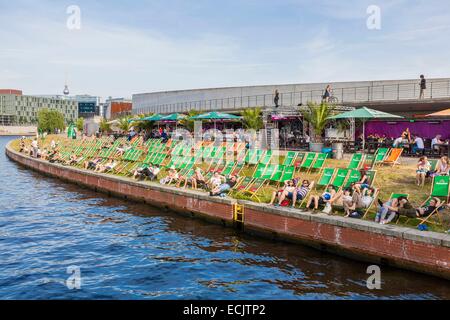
column 126, row 47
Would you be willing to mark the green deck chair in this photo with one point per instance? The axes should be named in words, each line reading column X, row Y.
column 440, row 189
column 340, row 178
column 290, row 158
column 380, row 155
column 278, row 173
column 237, row 169
column 269, row 172
column 355, row 162
column 228, row 168
column 299, row 159
column 320, row 161
column 326, row 177
column 267, row 157
column 354, row 177
column 309, row 160
column 259, row 171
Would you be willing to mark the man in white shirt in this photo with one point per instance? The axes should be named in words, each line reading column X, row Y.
column 419, row 144
column 397, row 142
column 436, row 140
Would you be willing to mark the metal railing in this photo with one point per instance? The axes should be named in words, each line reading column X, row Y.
column 388, row 92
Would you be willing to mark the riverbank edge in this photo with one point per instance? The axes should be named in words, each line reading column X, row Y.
column 424, row 252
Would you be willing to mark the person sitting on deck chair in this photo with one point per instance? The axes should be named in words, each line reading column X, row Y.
column 73, row 160
column 224, row 187
column 442, row 167
column 107, row 167
column 365, row 182
column 407, row 210
column 196, row 180
column 302, row 191
column 172, row 176
column 215, row 181
column 54, row 156
column 388, row 210
column 287, row 189
column 326, row 199
column 92, row 164
column 344, row 199
column 360, row 200
column 150, row 172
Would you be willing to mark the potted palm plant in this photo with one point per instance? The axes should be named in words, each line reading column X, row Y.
column 317, row 116
column 252, row 118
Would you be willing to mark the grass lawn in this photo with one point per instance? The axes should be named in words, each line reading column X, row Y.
column 398, row 179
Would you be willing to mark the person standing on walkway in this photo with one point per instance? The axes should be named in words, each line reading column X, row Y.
column 35, row 147
column 276, row 100
column 327, row 94
column 423, row 86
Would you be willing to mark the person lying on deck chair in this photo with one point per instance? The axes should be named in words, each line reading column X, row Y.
column 172, row 176
column 288, row 189
column 107, row 167
column 326, row 199
column 406, row 209
column 54, row 156
column 344, row 198
column 150, row 172
column 388, row 210
column 196, row 180
column 302, row 191
column 361, row 199
column 92, row 164
column 365, row 182
column 215, row 180
column 224, row 187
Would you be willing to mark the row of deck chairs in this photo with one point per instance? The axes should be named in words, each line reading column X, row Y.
column 388, row 156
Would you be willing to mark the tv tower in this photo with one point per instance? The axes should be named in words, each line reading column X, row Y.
column 66, row 87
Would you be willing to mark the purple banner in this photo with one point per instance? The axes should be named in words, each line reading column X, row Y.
column 393, row 129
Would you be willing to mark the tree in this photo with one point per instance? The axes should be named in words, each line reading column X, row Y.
column 144, row 125
column 124, row 123
column 252, row 118
column 105, row 127
column 80, row 124
column 188, row 123
column 50, row 120
column 317, row 117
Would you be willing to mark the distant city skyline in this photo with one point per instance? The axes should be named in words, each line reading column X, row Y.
column 145, row 46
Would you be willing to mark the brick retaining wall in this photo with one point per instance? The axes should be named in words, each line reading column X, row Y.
column 426, row 252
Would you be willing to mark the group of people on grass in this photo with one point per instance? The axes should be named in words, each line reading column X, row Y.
column 394, row 208
column 354, row 200
column 217, row 185
column 424, row 169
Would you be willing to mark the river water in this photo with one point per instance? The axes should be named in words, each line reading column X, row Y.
column 123, row 250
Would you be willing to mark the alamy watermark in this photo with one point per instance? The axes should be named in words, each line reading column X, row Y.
column 374, row 280
column 74, row 280
column 74, row 18
column 374, row 20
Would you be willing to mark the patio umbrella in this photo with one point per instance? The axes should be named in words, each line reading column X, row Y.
column 173, row 117
column 155, row 117
column 215, row 116
column 364, row 114
column 443, row 113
